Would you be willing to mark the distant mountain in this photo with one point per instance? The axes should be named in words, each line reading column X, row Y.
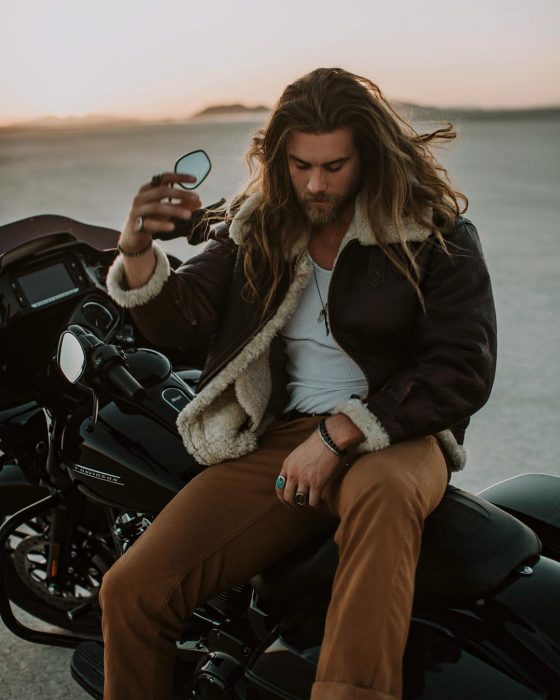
column 220, row 110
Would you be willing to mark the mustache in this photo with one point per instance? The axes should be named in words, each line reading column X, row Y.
column 321, row 197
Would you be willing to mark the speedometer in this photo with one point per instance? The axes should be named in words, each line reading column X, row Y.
column 97, row 315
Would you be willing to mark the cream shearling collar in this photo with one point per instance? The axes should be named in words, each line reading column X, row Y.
column 359, row 229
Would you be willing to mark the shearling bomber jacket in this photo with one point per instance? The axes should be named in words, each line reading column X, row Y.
column 428, row 370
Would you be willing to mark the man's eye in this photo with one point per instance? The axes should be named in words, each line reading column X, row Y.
column 334, row 168
column 302, row 166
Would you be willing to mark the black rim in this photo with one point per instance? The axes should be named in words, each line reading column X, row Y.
column 28, row 547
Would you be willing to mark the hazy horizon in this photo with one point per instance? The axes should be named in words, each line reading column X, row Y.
column 108, row 118
column 130, row 116
column 139, row 60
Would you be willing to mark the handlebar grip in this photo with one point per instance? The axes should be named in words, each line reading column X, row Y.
column 121, row 378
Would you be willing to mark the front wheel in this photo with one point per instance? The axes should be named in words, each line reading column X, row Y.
column 24, row 565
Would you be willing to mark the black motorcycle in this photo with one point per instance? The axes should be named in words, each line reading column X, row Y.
column 89, row 454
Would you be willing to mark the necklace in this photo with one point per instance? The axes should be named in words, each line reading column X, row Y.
column 324, row 313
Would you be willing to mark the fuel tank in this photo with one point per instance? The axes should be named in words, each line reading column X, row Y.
column 132, row 457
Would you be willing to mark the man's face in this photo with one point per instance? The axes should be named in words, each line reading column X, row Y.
column 325, row 173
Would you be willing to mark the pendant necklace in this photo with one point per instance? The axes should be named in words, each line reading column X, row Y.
column 324, row 314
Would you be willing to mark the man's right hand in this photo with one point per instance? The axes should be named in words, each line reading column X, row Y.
column 157, row 205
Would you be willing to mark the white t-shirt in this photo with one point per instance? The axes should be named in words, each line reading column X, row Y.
column 321, row 373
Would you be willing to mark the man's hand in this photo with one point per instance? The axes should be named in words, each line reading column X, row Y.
column 309, row 467
column 154, row 206
column 157, row 202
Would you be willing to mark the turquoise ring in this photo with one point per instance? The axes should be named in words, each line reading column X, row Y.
column 281, row 482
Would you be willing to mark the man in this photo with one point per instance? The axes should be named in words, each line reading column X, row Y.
column 346, row 316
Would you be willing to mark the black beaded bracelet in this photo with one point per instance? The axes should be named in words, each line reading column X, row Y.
column 327, row 439
column 137, row 253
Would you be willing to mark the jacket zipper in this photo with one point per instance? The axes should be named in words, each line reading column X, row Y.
column 214, row 371
column 205, row 378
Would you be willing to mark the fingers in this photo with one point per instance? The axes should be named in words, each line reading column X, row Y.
column 167, row 180
column 286, row 491
column 290, row 490
column 314, row 497
column 158, row 201
column 280, row 486
column 162, row 210
column 154, row 225
column 156, row 194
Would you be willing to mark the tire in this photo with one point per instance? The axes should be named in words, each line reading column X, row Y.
column 23, row 563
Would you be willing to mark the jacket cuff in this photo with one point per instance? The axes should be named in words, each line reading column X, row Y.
column 451, row 448
column 376, row 437
column 128, row 298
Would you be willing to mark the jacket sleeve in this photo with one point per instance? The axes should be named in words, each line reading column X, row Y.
column 455, row 353
column 178, row 308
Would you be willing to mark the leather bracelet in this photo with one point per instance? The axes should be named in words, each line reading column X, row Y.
column 136, row 254
column 328, row 441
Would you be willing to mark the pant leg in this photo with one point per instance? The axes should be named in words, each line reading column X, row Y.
column 226, row 525
column 382, row 502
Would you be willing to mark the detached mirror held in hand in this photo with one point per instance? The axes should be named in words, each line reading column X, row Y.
column 162, row 211
column 196, row 163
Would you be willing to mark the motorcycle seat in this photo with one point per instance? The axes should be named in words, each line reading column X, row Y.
column 469, row 548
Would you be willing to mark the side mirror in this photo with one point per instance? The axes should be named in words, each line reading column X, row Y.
column 195, row 163
column 71, row 357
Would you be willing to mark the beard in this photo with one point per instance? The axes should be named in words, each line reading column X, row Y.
column 322, row 209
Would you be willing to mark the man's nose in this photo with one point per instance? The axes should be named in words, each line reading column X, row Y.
column 317, row 181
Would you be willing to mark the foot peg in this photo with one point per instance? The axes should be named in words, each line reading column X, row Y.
column 87, row 668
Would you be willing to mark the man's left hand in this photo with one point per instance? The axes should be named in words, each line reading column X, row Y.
column 309, row 467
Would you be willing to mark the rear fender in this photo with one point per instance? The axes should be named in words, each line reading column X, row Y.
column 534, row 499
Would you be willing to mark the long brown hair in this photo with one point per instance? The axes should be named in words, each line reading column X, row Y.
column 401, row 179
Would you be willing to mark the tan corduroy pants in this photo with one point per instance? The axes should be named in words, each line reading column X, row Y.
column 227, row 524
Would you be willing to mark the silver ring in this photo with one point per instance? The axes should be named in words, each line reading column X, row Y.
column 301, row 498
column 139, row 224
column 280, row 482
column 155, row 181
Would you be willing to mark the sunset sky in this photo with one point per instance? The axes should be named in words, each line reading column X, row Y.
column 169, row 59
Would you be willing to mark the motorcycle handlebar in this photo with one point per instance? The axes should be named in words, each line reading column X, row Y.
column 110, row 360
column 121, row 378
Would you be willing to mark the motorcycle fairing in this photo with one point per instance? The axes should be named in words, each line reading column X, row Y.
column 12, row 235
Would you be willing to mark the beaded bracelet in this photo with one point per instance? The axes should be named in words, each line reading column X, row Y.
column 327, row 439
column 136, row 254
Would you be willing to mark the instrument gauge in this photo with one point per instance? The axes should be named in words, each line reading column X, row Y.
column 98, row 315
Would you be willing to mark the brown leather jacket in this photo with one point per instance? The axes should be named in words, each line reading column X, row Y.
column 428, row 372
